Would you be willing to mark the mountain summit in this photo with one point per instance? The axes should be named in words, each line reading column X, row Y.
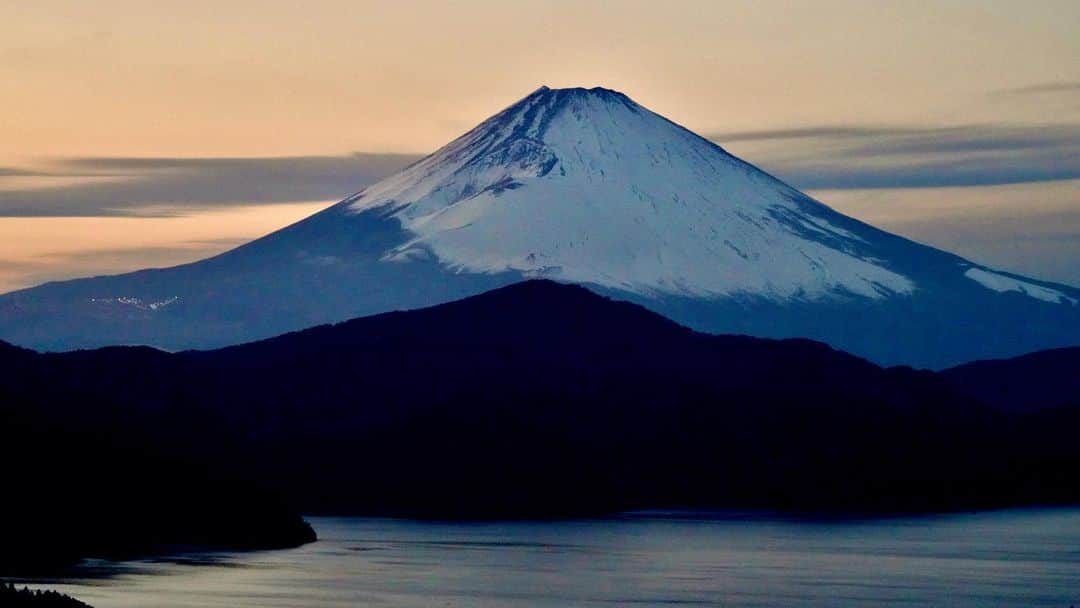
column 582, row 186
column 585, row 185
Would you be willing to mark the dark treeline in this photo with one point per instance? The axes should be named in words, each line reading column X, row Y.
column 536, row 400
column 13, row 597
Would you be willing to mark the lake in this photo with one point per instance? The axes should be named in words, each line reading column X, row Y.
column 1000, row 558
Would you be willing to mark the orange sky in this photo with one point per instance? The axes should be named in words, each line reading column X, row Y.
column 263, row 77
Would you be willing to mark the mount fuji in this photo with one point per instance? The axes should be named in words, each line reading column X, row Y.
column 580, row 186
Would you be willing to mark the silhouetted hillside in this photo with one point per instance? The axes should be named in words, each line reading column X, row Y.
column 12, row 597
column 1041, row 380
column 539, row 398
column 88, row 474
column 545, row 400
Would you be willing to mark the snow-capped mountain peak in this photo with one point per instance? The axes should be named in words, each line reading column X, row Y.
column 585, row 185
column 582, row 186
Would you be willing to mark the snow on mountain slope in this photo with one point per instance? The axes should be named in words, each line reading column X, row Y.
column 582, row 186
column 587, row 186
column 1002, row 283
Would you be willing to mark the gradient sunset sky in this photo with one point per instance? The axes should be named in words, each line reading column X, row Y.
column 137, row 134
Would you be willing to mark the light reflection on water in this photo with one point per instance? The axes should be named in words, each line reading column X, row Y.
column 1005, row 558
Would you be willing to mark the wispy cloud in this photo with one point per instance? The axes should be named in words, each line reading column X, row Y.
column 818, row 132
column 815, row 157
column 19, row 172
column 164, row 186
column 1067, row 87
column 856, row 156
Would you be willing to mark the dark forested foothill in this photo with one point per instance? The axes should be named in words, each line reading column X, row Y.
column 535, row 400
column 1037, row 381
column 87, row 477
column 13, row 597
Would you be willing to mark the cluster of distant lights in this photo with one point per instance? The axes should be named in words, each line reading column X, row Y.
column 136, row 302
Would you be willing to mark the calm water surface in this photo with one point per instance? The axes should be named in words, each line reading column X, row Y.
column 1004, row 558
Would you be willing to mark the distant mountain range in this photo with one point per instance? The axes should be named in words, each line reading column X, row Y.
column 534, row 400
column 582, row 186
